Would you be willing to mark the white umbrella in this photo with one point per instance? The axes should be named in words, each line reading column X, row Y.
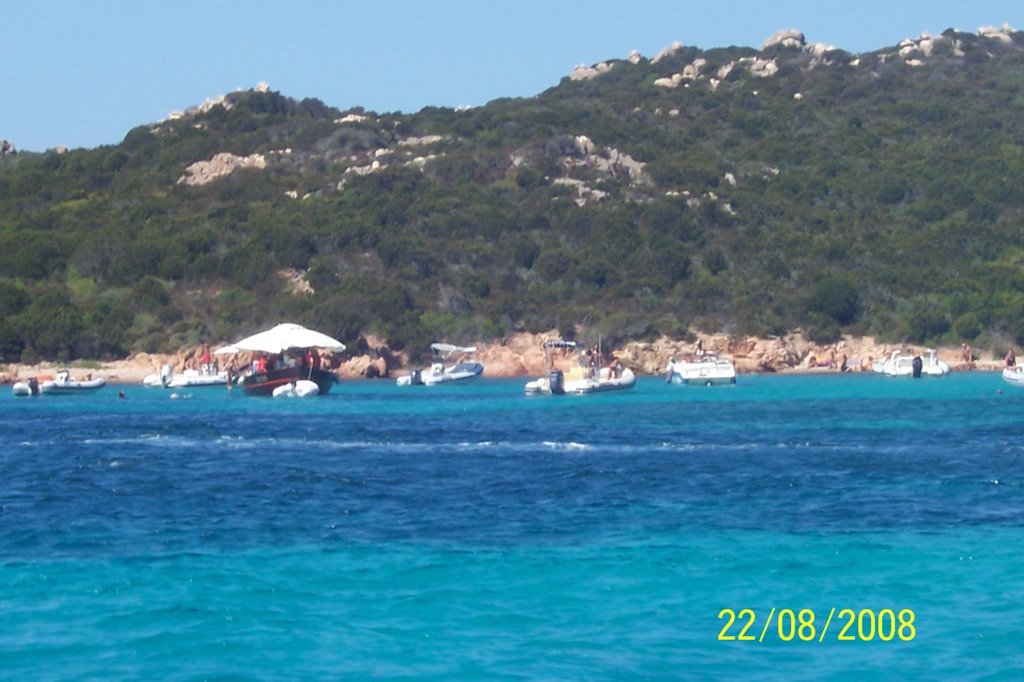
column 286, row 336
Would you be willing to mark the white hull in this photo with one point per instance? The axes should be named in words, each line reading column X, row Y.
column 584, row 386
column 901, row 365
column 303, row 388
column 23, row 388
column 542, row 386
column 709, row 372
column 1014, row 375
column 464, row 371
column 193, row 379
column 70, row 386
column 190, row 378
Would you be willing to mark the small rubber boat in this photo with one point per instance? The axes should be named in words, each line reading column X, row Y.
column 65, row 384
column 584, row 378
column 1014, row 375
column 442, row 371
column 303, row 388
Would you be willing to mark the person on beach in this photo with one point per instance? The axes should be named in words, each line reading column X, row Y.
column 965, row 353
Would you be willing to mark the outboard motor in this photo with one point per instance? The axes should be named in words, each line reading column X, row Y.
column 33, row 386
column 915, row 366
column 416, row 378
column 556, row 380
column 165, row 375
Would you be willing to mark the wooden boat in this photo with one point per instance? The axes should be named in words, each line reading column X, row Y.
column 292, row 339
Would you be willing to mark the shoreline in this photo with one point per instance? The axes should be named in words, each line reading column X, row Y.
column 521, row 355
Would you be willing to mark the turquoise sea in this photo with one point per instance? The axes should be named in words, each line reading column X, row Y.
column 475, row 533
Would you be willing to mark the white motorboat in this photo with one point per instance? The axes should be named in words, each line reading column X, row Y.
column 441, row 371
column 160, row 380
column 303, row 388
column 1014, row 375
column 581, row 379
column 900, row 364
column 701, row 370
column 190, row 378
column 607, row 380
column 65, row 384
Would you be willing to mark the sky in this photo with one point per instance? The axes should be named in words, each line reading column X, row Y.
column 82, row 73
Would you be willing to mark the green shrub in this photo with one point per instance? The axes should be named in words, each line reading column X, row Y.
column 836, row 299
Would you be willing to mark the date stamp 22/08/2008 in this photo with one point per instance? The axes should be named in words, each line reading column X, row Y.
column 850, row 625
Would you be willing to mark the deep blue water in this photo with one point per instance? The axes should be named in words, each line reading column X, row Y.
column 473, row 532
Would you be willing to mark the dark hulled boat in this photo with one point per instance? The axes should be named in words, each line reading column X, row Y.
column 265, row 383
column 288, row 338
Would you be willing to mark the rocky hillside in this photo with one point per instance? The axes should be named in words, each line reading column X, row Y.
column 749, row 191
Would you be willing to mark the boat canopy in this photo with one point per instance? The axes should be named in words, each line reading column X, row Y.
column 288, row 336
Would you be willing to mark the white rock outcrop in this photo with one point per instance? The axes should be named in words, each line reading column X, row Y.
column 202, row 172
column 789, row 37
column 667, row 52
column 764, row 68
column 420, row 141
column 1003, row 34
column 583, row 73
column 296, row 281
column 352, row 118
column 584, row 193
column 609, row 161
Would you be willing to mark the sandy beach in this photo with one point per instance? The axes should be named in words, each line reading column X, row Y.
column 522, row 355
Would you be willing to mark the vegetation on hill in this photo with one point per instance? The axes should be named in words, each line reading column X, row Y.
column 748, row 191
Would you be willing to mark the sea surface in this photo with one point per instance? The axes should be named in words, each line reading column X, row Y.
column 475, row 533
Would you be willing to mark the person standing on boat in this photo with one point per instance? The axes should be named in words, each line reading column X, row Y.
column 587, row 363
column 206, row 366
column 1011, row 359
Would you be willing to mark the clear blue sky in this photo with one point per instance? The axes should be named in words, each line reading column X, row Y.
column 82, row 73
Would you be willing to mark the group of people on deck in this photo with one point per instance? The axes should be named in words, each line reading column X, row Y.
column 592, row 361
column 201, row 360
column 262, row 363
